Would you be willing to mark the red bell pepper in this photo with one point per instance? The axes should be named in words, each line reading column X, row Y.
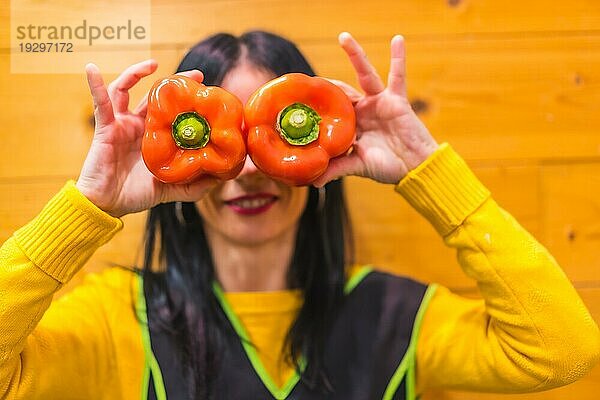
column 192, row 130
column 296, row 124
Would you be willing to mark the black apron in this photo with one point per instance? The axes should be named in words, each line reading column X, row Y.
column 370, row 351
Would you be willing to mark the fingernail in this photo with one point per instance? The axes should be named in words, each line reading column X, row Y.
column 91, row 67
column 344, row 35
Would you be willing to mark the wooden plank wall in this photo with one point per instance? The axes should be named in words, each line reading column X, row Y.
column 514, row 86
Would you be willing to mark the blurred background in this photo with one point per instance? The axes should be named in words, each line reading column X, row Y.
column 514, row 86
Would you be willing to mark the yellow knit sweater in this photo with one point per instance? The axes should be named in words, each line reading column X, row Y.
column 530, row 332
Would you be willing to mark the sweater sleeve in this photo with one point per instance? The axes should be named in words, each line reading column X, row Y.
column 43, row 353
column 530, row 331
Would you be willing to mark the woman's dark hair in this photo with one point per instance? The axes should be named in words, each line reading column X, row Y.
column 178, row 267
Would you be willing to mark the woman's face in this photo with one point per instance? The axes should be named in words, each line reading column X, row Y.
column 252, row 208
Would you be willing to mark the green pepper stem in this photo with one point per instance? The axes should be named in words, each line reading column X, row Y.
column 190, row 130
column 298, row 124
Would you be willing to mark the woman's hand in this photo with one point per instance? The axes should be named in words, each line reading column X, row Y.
column 114, row 176
column 390, row 138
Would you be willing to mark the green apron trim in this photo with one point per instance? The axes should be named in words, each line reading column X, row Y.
column 277, row 392
column 407, row 365
column 150, row 361
column 357, row 278
column 145, row 381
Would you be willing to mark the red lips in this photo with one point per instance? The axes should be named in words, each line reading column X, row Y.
column 251, row 204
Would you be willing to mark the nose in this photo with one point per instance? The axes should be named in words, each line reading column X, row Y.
column 249, row 168
column 250, row 175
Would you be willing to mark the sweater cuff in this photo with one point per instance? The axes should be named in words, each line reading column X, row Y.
column 66, row 233
column 443, row 189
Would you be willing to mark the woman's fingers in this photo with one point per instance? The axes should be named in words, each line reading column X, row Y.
column 341, row 166
column 188, row 191
column 353, row 94
column 119, row 89
column 397, row 75
column 368, row 78
column 142, row 107
column 103, row 111
column 194, row 74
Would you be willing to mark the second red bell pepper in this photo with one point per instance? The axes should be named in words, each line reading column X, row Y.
column 192, row 130
column 296, row 124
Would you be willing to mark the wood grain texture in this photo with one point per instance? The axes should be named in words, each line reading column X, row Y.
column 571, row 216
column 517, row 98
column 185, row 21
column 45, row 119
column 313, row 20
column 493, row 99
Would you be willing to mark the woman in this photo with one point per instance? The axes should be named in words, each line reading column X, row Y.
column 248, row 291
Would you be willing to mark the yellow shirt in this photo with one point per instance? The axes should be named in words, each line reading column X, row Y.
column 530, row 332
